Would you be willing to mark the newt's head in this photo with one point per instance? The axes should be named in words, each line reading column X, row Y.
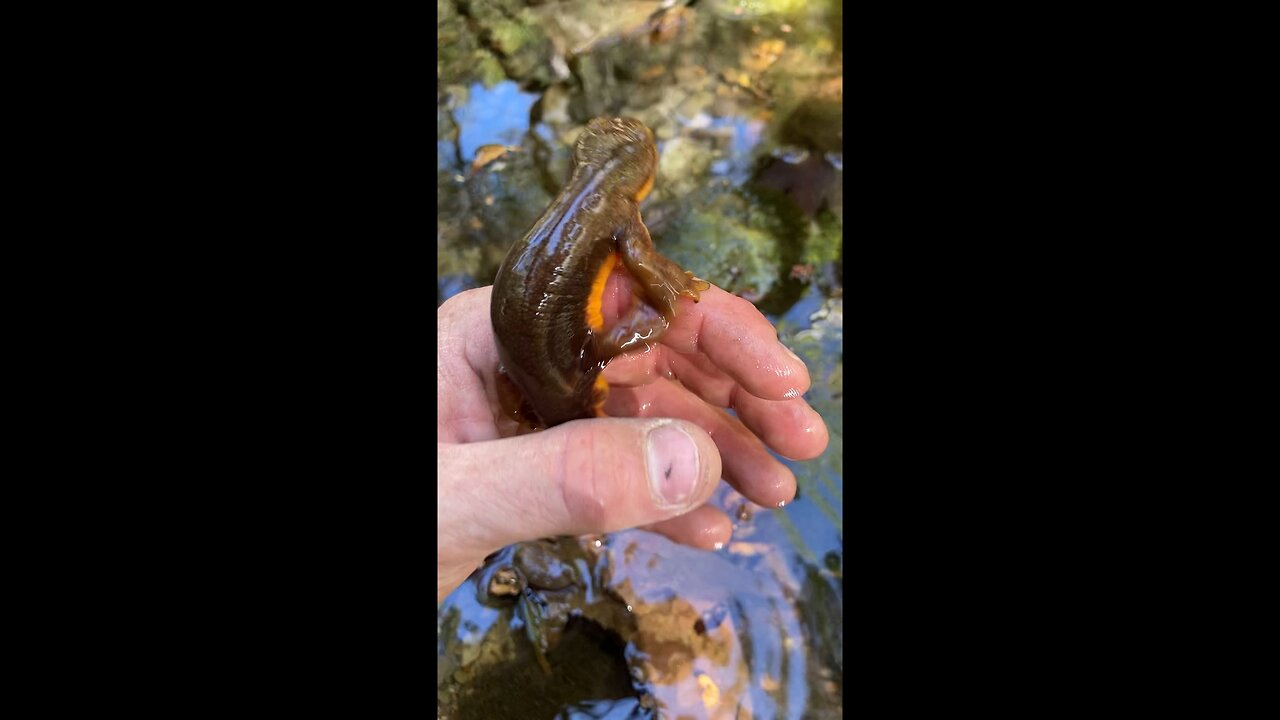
column 624, row 148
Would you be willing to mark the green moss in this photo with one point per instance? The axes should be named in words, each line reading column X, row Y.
column 487, row 69
column 825, row 240
column 460, row 58
column 727, row 240
column 509, row 37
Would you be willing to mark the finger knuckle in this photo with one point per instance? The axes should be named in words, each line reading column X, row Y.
column 588, row 493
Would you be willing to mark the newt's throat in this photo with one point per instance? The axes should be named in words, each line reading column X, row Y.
column 595, row 300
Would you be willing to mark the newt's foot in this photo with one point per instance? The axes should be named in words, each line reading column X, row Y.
column 694, row 285
column 676, row 282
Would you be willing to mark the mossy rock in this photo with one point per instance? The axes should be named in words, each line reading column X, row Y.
column 816, row 124
column 513, row 35
column 460, row 57
column 727, row 239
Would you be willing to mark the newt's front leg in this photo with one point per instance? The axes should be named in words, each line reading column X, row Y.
column 636, row 328
column 661, row 280
column 656, row 283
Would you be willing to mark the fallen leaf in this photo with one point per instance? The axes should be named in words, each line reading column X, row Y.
column 486, row 154
column 710, row 693
column 748, row 549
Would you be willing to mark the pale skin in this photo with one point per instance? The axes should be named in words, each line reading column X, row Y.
column 591, row 476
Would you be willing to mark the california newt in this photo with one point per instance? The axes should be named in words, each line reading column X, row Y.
column 546, row 307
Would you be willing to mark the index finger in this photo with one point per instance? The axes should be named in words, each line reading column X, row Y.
column 741, row 341
column 729, row 330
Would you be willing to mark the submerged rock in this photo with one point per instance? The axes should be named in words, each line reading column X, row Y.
column 553, row 639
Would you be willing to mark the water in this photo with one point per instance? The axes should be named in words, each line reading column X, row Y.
column 493, row 116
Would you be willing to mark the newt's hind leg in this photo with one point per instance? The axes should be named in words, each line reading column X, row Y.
column 661, row 280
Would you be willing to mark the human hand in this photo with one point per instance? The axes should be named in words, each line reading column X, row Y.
column 653, row 463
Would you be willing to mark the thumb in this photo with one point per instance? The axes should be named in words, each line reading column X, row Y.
column 580, row 478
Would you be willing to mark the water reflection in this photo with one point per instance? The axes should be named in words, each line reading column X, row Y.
column 493, row 116
column 712, row 633
column 752, row 631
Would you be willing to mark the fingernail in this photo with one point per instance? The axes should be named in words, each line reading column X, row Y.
column 673, row 464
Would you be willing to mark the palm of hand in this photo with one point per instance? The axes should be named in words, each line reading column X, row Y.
column 719, row 353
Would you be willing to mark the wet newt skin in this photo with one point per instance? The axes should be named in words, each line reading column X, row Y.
column 546, row 307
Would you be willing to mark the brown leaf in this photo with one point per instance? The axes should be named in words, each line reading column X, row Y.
column 486, row 154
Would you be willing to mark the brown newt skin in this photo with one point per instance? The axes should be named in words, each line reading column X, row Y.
column 546, row 307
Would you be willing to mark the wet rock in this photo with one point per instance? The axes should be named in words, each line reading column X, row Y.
column 691, row 75
column 542, row 567
column 586, row 26
column 817, row 124
column 696, row 104
column 588, row 673
column 569, row 645
column 598, row 93
column 682, row 168
column 552, row 158
column 460, row 56
column 728, row 239
column 825, row 243
column 496, row 205
column 512, row 33
column 665, row 631
column 808, row 181
column 505, row 583
column 553, row 107
column 544, row 579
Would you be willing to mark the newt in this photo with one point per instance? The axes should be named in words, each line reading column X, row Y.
column 547, row 297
